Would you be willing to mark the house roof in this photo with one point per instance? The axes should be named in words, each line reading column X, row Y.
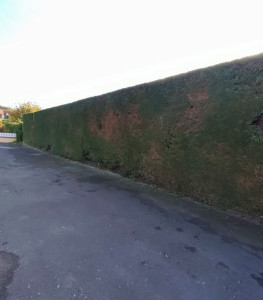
column 3, row 111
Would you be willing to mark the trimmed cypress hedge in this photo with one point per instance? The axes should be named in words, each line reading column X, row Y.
column 198, row 134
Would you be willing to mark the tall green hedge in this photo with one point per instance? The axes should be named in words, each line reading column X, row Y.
column 195, row 134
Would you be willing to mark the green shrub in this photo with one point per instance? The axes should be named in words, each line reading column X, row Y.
column 13, row 128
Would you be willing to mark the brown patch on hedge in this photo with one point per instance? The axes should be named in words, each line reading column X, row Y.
column 198, row 96
column 199, row 106
column 113, row 123
column 93, row 127
column 151, row 164
column 110, row 126
column 153, row 168
column 223, row 148
column 194, row 116
column 255, row 176
column 133, row 113
column 251, row 180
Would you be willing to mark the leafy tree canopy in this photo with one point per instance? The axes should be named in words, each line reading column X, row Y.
column 16, row 114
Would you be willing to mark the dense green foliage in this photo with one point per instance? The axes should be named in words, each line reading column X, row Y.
column 13, row 123
column 13, row 128
column 191, row 133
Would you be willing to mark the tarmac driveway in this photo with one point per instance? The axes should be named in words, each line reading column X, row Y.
column 70, row 231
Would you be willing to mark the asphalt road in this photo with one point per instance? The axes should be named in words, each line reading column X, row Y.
column 69, row 231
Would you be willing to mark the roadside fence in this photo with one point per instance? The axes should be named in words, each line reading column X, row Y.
column 7, row 135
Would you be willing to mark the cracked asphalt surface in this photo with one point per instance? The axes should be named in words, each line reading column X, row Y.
column 70, row 231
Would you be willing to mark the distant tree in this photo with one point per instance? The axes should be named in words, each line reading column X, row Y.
column 16, row 114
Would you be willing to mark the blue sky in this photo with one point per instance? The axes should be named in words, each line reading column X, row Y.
column 7, row 17
column 58, row 51
column 14, row 14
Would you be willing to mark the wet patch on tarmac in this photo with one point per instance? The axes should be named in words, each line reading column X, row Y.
column 190, row 248
column 92, row 190
column 95, row 179
column 56, row 180
column 179, row 229
column 9, row 262
column 258, row 278
column 221, row 265
column 230, row 240
column 158, row 228
column 205, row 226
column 152, row 205
column 196, row 236
column 227, row 239
column 146, row 264
column 19, row 191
